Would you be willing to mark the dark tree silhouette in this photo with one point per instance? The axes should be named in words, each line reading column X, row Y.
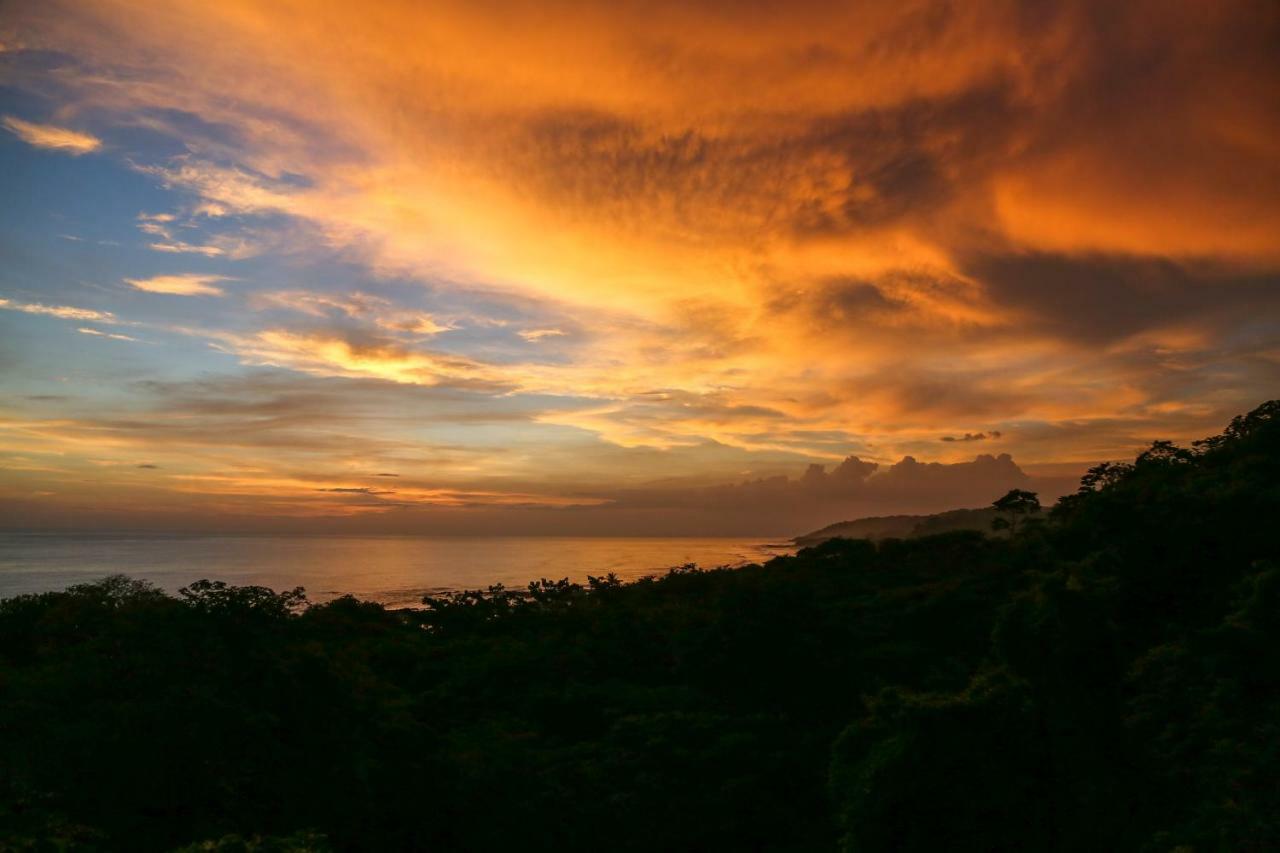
column 1111, row 683
column 1100, row 476
column 1016, row 507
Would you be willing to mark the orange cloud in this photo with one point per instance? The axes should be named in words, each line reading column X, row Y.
column 54, row 138
column 64, row 312
column 775, row 228
column 183, row 284
column 331, row 355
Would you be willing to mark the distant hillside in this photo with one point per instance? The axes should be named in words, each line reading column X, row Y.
column 901, row 526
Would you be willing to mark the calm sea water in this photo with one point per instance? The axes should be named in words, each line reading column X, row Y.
column 395, row 570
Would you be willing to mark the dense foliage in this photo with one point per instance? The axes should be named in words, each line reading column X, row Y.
column 1106, row 679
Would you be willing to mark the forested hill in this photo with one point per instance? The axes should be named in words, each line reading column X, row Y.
column 902, row 526
column 1108, row 679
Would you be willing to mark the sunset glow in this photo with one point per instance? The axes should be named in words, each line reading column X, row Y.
column 620, row 267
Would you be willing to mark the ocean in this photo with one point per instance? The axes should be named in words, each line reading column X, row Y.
column 394, row 570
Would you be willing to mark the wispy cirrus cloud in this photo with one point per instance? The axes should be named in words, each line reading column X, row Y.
column 177, row 247
column 325, row 353
column 535, row 335
column 84, row 330
column 381, row 312
column 181, row 284
column 161, row 228
column 64, row 312
column 52, row 137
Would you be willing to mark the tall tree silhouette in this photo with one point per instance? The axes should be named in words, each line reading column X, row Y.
column 1015, row 506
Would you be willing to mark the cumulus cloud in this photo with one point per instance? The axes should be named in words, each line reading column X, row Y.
column 857, row 485
column 52, row 137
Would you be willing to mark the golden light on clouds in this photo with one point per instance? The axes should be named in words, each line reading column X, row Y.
column 182, row 284
column 726, row 233
column 48, row 136
column 65, row 312
column 334, row 356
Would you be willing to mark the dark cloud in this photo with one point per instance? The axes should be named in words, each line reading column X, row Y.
column 853, row 488
column 908, row 158
column 836, row 302
column 972, row 436
column 149, row 465
column 875, row 166
column 966, row 393
column 1101, row 299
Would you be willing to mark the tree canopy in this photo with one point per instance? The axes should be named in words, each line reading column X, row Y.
column 1106, row 679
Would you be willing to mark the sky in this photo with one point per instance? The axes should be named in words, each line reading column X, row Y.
column 626, row 268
